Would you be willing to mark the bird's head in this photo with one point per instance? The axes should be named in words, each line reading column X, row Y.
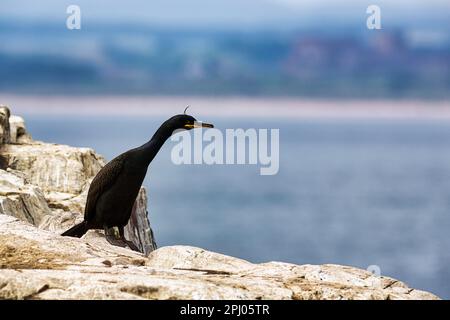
column 185, row 121
column 167, row 129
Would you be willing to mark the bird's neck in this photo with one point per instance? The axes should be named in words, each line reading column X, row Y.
column 151, row 148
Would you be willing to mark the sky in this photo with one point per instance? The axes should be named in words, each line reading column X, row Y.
column 272, row 14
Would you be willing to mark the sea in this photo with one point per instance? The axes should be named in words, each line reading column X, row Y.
column 373, row 193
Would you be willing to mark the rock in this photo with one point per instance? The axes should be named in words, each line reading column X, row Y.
column 60, row 221
column 138, row 229
column 4, row 125
column 18, row 131
column 52, row 167
column 22, row 200
column 38, row 264
column 68, row 202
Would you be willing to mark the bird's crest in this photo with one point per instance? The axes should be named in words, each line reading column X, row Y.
column 187, row 107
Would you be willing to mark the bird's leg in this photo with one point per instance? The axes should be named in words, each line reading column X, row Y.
column 112, row 232
column 130, row 244
column 113, row 236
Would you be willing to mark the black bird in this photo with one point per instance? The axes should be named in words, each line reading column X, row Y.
column 115, row 187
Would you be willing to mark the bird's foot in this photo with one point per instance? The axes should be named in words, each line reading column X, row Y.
column 116, row 238
column 113, row 237
column 112, row 233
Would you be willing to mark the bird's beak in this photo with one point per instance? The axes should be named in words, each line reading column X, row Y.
column 198, row 124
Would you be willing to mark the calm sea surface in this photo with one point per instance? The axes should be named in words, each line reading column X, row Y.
column 354, row 192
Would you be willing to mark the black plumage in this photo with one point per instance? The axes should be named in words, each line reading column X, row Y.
column 115, row 187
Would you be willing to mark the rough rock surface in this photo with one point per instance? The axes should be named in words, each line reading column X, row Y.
column 26, row 201
column 139, row 227
column 4, row 125
column 54, row 168
column 18, row 130
column 38, row 264
column 47, row 184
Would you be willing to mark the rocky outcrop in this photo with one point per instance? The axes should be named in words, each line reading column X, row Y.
column 4, row 125
column 46, row 184
column 38, row 264
column 25, row 201
column 18, row 131
column 54, row 168
column 139, row 227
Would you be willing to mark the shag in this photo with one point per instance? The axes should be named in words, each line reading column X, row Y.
column 115, row 187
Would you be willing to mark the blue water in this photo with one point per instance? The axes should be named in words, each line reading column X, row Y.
column 353, row 192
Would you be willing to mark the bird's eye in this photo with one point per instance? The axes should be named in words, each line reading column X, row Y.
column 189, row 125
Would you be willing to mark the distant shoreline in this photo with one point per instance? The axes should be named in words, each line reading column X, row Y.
column 227, row 107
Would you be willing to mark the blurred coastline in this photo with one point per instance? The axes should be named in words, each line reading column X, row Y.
column 335, row 63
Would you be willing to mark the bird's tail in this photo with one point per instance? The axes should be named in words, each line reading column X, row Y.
column 77, row 230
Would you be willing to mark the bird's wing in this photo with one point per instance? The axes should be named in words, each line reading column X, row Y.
column 104, row 179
